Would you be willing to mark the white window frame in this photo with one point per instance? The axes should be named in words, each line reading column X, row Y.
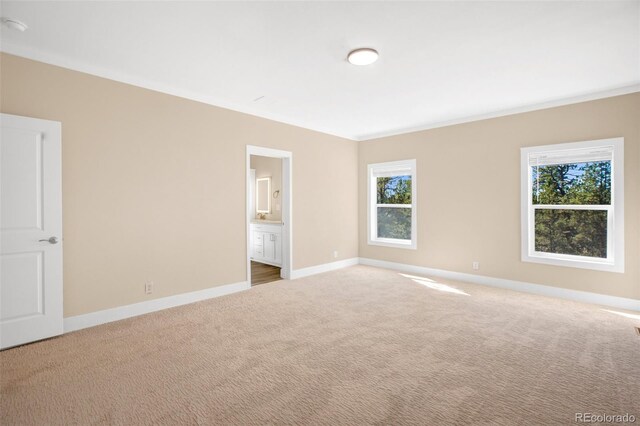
column 615, row 217
column 393, row 168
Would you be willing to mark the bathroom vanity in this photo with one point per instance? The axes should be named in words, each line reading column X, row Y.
column 266, row 242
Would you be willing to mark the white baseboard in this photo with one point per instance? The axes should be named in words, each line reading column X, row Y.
column 114, row 314
column 544, row 290
column 109, row 315
column 325, row 267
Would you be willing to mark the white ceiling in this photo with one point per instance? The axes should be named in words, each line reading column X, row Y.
column 440, row 62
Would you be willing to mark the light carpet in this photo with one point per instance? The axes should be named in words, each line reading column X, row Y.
column 357, row 346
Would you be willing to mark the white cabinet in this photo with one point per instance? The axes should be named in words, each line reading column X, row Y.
column 266, row 243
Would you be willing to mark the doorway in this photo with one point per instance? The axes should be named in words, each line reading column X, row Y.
column 268, row 214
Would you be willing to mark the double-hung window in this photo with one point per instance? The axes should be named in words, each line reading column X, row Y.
column 572, row 204
column 392, row 204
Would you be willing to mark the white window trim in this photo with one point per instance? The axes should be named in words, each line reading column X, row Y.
column 615, row 225
column 392, row 168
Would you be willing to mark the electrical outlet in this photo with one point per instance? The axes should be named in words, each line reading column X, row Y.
column 475, row 266
column 148, row 287
column 335, row 254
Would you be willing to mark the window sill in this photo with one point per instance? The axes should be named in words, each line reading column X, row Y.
column 390, row 242
column 569, row 261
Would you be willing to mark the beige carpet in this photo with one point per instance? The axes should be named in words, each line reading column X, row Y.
column 356, row 346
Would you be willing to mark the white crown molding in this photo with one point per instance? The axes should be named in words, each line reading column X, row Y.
column 617, row 91
column 122, row 312
column 80, row 66
column 325, row 267
column 543, row 290
column 53, row 59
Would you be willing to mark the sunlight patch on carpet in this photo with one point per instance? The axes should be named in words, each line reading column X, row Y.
column 434, row 285
column 623, row 314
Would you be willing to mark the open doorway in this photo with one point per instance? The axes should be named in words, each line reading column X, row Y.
column 268, row 219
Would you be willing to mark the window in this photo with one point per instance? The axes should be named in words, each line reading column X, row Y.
column 392, row 204
column 572, row 204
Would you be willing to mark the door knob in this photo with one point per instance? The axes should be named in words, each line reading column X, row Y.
column 52, row 240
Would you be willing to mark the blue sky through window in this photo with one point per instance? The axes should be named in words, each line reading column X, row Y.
column 395, row 188
column 572, row 177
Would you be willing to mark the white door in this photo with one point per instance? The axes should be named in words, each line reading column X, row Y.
column 31, row 223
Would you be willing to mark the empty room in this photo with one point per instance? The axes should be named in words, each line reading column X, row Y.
column 301, row 212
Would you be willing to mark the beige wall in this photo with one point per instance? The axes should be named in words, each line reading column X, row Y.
column 469, row 192
column 154, row 186
column 270, row 167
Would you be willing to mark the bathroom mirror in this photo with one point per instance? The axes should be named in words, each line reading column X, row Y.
column 263, row 195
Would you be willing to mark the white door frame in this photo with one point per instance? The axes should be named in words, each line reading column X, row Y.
column 287, row 206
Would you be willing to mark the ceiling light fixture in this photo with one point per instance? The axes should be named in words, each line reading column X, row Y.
column 363, row 56
column 14, row 24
